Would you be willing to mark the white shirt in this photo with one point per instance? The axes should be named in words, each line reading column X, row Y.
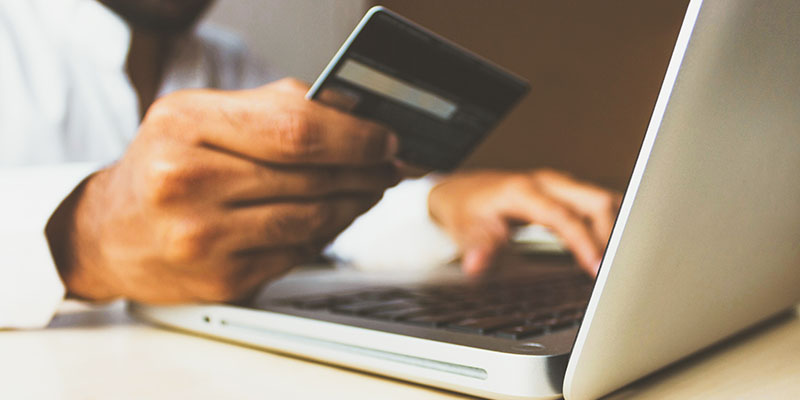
column 67, row 109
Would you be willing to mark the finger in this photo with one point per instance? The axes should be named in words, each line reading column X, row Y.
column 476, row 261
column 281, row 224
column 212, row 177
column 264, row 266
column 240, row 181
column 338, row 99
column 307, row 133
column 270, row 183
column 273, row 125
column 481, row 245
column 593, row 202
column 242, row 274
column 535, row 207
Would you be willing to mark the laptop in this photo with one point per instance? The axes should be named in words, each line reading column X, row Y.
column 706, row 244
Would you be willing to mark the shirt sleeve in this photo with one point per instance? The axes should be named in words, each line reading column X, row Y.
column 397, row 233
column 30, row 287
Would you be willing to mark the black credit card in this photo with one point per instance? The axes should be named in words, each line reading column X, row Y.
column 441, row 99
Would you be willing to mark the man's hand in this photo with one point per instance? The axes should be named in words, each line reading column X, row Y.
column 478, row 208
column 219, row 192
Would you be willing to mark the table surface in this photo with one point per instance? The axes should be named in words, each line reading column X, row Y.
column 100, row 353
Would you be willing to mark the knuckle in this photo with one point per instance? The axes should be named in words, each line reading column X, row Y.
column 518, row 183
column 162, row 107
column 167, row 182
column 188, row 241
column 546, row 174
column 176, row 114
column 298, row 137
column 169, row 106
column 292, row 84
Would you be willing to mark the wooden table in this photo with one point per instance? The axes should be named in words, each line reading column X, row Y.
column 101, row 353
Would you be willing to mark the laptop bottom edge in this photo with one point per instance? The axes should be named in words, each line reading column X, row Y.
column 469, row 370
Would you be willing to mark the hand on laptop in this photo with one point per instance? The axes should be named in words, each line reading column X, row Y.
column 479, row 208
column 219, row 192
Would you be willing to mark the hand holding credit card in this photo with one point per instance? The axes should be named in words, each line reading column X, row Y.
column 440, row 99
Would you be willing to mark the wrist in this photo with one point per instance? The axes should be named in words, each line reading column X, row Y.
column 69, row 233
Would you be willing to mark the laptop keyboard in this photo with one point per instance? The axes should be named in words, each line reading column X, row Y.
column 510, row 309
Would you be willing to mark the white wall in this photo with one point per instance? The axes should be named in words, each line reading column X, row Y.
column 293, row 37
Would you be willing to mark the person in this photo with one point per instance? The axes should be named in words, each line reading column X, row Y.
column 142, row 158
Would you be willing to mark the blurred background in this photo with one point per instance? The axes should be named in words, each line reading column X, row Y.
column 595, row 67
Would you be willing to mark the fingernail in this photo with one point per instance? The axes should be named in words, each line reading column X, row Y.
column 392, row 145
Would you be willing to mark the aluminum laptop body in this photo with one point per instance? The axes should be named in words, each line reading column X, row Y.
column 707, row 241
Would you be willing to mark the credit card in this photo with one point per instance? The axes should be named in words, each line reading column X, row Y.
column 441, row 99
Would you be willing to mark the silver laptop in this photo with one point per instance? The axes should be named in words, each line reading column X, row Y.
column 707, row 243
